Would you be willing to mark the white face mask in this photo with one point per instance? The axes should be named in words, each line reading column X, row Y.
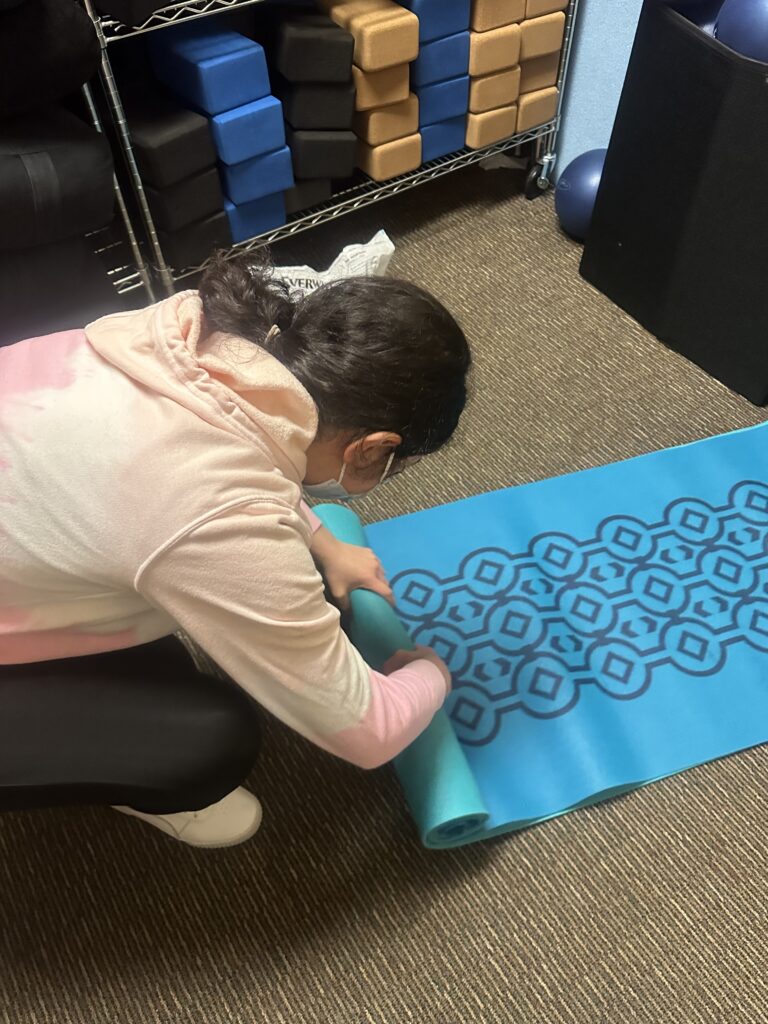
column 334, row 490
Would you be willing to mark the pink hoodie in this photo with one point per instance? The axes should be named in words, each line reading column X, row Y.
column 150, row 480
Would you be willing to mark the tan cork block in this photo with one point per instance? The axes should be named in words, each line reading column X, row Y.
column 385, row 33
column 542, row 35
column 392, row 158
column 536, row 8
column 492, row 91
column 380, row 88
column 488, row 14
column 536, row 108
column 539, row 73
column 388, row 123
column 491, row 126
column 494, row 50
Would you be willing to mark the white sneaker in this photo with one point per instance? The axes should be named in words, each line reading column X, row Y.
column 226, row 823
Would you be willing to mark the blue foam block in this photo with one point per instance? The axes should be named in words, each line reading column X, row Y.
column 442, row 138
column 212, row 70
column 438, row 18
column 261, row 176
column 604, row 629
column 249, row 130
column 256, row 217
column 443, row 100
column 444, row 58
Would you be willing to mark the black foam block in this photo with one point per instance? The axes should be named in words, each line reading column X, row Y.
column 312, row 48
column 190, row 199
column 170, row 143
column 57, row 287
column 322, row 154
column 678, row 236
column 194, row 243
column 307, row 193
column 317, row 106
column 55, row 179
column 131, row 12
column 48, row 49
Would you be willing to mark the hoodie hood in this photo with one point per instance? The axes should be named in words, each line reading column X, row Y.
column 231, row 383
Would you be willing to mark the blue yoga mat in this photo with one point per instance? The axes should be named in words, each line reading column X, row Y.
column 604, row 629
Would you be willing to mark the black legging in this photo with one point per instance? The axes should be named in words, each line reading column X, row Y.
column 140, row 727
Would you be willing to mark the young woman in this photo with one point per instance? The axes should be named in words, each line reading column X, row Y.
column 151, row 477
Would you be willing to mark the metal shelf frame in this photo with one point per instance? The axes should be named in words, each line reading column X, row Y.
column 543, row 139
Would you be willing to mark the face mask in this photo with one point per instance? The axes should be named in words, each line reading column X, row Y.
column 334, row 490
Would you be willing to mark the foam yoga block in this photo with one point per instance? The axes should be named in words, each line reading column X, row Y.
column 491, row 91
column 261, row 176
column 488, row 14
column 55, row 179
column 256, row 217
column 388, row 123
column 194, row 243
column 170, row 143
column 539, row 73
column 313, row 48
column 330, row 154
column 438, row 18
column 305, row 194
column 212, row 70
column 318, row 106
column 444, row 100
column 191, row 199
column 444, row 58
column 536, row 108
column 439, row 139
column 385, row 33
column 604, row 629
column 387, row 161
column 379, row 88
column 491, row 126
column 248, row 130
column 541, row 36
column 535, row 8
column 494, row 50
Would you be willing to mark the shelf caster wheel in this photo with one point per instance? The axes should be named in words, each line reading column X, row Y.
column 536, row 182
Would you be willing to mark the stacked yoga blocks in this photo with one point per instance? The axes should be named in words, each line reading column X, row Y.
column 439, row 75
column 386, row 40
column 223, row 75
column 513, row 63
column 311, row 68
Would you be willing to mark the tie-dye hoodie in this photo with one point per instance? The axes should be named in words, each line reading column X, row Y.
column 150, row 480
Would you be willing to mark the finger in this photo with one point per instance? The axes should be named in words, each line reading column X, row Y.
column 384, row 589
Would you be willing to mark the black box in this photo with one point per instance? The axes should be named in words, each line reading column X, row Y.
column 188, row 200
column 305, row 194
column 194, row 243
column 318, row 106
column 322, row 154
column 170, row 142
column 312, row 48
column 679, row 236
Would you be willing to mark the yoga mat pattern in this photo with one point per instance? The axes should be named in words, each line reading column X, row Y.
column 604, row 629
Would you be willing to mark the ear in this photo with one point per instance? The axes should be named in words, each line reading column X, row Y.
column 372, row 449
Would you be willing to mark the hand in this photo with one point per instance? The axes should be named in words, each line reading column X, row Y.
column 403, row 658
column 347, row 567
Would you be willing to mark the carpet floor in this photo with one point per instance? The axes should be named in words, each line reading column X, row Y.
column 650, row 908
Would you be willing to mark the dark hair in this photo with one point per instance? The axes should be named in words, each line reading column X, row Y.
column 374, row 353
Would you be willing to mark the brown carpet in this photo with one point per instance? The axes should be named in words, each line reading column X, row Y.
column 651, row 908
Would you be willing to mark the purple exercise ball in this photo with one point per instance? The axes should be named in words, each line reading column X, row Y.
column 576, row 192
column 743, row 26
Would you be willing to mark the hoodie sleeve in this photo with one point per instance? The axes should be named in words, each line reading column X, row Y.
column 243, row 585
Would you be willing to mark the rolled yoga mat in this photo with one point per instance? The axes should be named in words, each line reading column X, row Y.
column 604, row 629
